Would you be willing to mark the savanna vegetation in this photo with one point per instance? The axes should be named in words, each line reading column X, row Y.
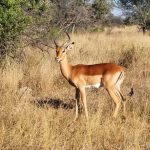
column 37, row 105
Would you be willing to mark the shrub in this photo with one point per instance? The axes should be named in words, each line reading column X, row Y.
column 98, row 29
column 128, row 57
column 13, row 21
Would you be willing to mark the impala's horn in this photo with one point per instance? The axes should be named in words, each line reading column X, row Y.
column 55, row 43
column 69, row 39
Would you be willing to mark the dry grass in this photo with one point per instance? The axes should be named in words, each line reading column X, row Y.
column 37, row 104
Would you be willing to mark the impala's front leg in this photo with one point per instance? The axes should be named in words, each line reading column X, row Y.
column 83, row 98
column 77, row 96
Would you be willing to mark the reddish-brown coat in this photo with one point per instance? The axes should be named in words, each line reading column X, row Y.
column 96, row 69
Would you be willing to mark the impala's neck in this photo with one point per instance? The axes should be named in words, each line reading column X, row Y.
column 65, row 68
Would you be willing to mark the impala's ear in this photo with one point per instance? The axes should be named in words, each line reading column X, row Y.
column 70, row 46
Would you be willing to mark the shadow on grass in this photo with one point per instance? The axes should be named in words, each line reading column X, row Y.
column 55, row 103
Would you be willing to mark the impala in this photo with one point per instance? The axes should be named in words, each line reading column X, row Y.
column 107, row 75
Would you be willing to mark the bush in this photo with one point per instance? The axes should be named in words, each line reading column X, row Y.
column 98, row 29
column 13, row 21
column 128, row 58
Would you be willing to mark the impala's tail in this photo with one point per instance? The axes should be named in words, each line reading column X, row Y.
column 121, row 76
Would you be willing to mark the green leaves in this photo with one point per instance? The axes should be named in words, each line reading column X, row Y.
column 13, row 21
column 100, row 7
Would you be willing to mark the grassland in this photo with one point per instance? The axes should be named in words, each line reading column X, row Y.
column 37, row 105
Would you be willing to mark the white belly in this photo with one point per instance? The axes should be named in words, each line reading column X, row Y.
column 98, row 85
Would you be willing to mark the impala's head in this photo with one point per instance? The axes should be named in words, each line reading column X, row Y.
column 61, row 50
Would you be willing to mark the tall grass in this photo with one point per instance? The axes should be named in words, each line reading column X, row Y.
column 38, row 105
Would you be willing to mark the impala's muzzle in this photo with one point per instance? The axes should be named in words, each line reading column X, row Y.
column 57, row 59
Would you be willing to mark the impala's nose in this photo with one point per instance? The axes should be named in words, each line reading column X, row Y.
column 57, row 59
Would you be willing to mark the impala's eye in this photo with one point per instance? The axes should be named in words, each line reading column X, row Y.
column 63, row 51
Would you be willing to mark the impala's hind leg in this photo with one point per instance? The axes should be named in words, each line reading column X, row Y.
column 123, row 99
column 118, row 84
column 113, row 94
